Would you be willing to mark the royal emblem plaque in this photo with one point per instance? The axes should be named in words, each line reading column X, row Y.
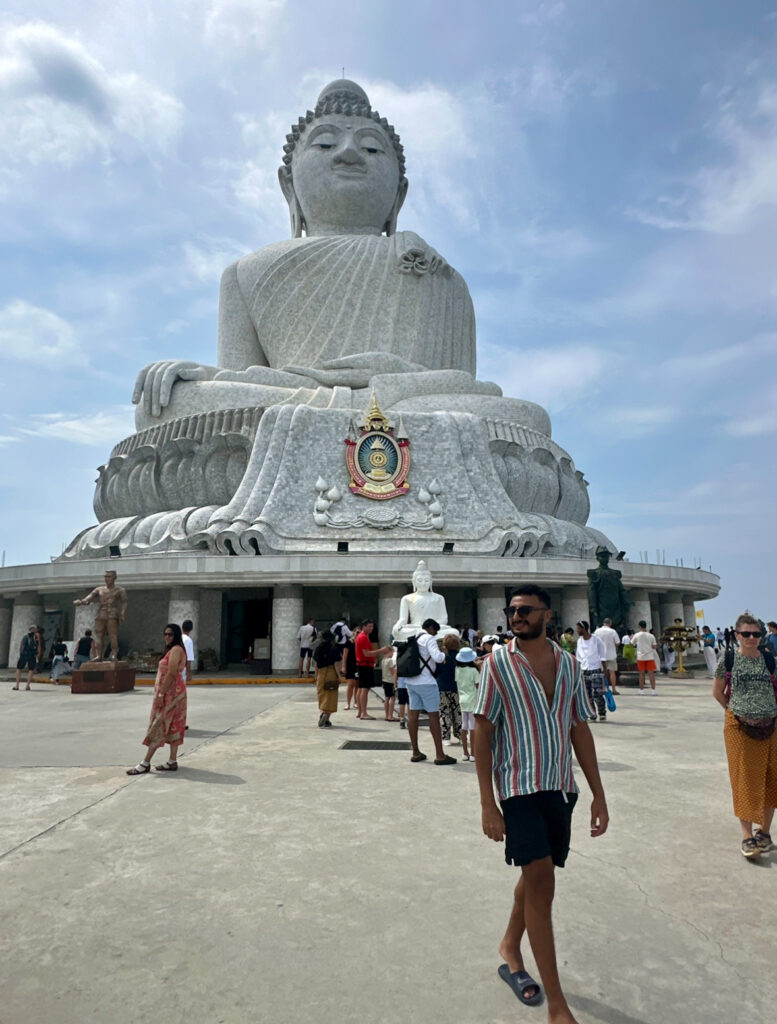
column 378, row 458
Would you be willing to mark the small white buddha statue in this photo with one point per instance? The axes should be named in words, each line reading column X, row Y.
column 422, row 604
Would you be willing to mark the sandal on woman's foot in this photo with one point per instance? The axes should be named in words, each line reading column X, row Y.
column 139, row 769
column 763, row 841
column 750, row 847
column 169, row 766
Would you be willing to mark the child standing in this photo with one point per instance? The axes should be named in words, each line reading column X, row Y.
column 467, row 678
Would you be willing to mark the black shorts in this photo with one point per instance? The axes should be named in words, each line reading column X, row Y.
column 27, row 661
column 366, row 676
column 403, row 697
column 388, row 690
column 538, row 825
column 305, row 652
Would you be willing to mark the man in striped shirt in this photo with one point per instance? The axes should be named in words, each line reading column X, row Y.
column 531, row 713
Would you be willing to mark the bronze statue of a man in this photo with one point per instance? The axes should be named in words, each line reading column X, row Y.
column 607, row 598
column 110, row 614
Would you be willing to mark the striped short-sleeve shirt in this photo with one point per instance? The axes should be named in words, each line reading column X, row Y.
column 531, row 747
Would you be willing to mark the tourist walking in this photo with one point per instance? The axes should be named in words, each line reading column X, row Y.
column 60, row 664
column 467, row 677
column 28, row 657
column 645, row 648
column 306, row 635
column 708, row 649
column 326, row 656
column 366, row 653
column 424, row 694
column 745, row 686
column 770, row 640
column 450, row 711
column 590, row 653
column 167, row 723
column 532, row 712
column 85, row 649
column 388, row 677
column 348, row 668
column 188, row 645
column 610, row 639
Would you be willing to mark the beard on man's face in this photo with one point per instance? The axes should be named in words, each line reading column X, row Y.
column 527, row 629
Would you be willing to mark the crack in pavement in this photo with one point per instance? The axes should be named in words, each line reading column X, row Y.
column 660, row 910
column 118, row 789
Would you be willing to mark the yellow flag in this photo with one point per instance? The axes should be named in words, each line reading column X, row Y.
column 699, row 613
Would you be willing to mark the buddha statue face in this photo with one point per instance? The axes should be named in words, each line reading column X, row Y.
column 345, row 177
column 422, row 581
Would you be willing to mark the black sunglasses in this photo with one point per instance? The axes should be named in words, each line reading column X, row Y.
column 521, row 611
column 749, row 633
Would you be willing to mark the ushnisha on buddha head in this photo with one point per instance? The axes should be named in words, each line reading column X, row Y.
column 343, row 168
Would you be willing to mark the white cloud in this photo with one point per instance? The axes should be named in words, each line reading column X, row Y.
column 206, row 259
column 246, row 24
column 101, row 429
column 638, row 420
column 554, row 378
column 758, row 416
column 6, row 439
column 726, row 198
column 35, row 335
column 59, row 104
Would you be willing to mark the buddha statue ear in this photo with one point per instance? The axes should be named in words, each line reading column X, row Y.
column 298, row 224
column 390, row 226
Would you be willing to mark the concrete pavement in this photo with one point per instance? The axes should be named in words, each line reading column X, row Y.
column 280, row 878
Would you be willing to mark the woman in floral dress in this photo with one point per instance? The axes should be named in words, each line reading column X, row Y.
column 168, row 711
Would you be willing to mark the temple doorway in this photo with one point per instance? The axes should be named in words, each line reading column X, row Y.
column 246, row 624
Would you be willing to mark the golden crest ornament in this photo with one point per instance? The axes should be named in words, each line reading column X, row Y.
column 378, row 457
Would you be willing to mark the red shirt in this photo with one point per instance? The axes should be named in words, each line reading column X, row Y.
column 363, row 643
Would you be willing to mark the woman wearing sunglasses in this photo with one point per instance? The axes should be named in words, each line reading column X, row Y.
column 168, row 710
column 746, row 690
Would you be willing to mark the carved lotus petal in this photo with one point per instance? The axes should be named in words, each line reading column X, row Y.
column 333, row 494
column 320, row 518
column 322, row 504
column 438, row 522
column 434, row 486
column 424, row 496
column 435, row 508
column 321, row 484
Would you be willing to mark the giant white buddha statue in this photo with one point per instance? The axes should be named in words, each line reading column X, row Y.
column 347, row 304
column 226, row 458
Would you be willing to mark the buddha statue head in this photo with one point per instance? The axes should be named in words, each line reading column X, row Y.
column 343, row 169
column 422, row 578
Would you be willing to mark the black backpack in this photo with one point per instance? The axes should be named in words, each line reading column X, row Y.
column 337, row 633
column 30, row 643
column 409, row 660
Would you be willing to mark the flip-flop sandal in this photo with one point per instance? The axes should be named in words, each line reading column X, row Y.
column 139, row 769
column 519, row 981
column 418, row 757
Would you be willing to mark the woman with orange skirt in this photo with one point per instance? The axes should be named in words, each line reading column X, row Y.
column 168, row 711
column 748, row 695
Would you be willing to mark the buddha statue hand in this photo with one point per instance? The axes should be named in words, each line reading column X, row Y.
column 356, row 370
column 155, row 382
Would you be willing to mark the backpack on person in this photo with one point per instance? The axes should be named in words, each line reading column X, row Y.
column 30, row 644
column 410, row 663
column 337, row 632
column 756, row 729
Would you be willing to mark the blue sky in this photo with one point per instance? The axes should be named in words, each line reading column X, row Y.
column 603, row 173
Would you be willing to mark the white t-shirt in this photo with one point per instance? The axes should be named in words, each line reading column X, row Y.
column 609, row 638
column 188, row 646
column 590, row 653
column 626, row 639
column 644, row 642
column 341, row 633
column 430, row 652
column 305, row 636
